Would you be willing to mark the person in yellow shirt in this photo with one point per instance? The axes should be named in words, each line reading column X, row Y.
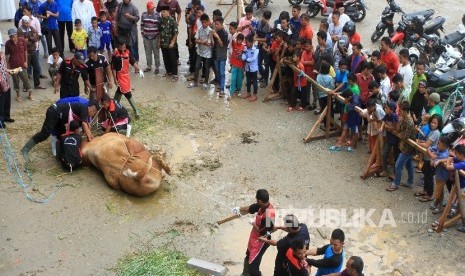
column 79, row 38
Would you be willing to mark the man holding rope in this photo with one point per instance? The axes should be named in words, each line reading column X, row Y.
column 261, row 226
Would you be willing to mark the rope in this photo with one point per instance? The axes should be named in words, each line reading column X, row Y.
column 14, row 170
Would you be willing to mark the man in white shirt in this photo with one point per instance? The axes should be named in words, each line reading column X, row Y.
column 84, row 10
column 343, row 18
column 335, row 28
column 405, row 69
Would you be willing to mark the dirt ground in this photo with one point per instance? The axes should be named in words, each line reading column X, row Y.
column 221, row 154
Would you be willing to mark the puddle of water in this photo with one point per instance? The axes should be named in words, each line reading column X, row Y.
column 182, row 146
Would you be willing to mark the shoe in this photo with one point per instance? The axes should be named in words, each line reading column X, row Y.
column 204, row 86
column 9, row 120
column 192, row 85
column 43, row 77
column 157, row 71
column 148, row 69
column 317, row 112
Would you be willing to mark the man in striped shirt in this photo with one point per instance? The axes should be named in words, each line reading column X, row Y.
column 150, row 22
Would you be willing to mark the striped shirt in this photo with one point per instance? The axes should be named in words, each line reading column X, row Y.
column 150, row 24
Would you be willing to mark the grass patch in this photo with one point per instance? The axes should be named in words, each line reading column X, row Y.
column 155, row 262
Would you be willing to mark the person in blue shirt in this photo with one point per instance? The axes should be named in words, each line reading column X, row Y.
column 19, row 14
column 333, row 252
column 49, row 12
column 295, row 21
column 250, row 56
column 439, row 155
column 458, row 163
column 65, row 22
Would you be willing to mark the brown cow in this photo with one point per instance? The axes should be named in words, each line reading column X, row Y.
column 127, row 164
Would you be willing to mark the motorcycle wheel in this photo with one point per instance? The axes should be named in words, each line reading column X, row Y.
column 362, row 12
column 295, row 2
column 377, row 34
column 313, row 11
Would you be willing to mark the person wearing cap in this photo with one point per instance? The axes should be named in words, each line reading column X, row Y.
column 96, row 61
column 167, row 42
column 150, row 24
column 120, row 64
column 49, row 12
column 67, row 80
column 16, row 56
column 296, row 231
column 57, row 117
column 5, row 92
column 419, row 101
column 261, row 226
column 433, row 104
column 127, row 16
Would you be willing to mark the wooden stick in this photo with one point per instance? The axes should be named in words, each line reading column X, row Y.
column 460, row 197
column 446, row 211
column 328, row 115
column 317, row 123
column 231, row 217
column 230, row 9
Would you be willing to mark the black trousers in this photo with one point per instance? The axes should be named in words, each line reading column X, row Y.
column 33, row 60
column 170, row 60
column 51, row 122
column 68, row 25
column 301, row 94
column 428, row 174
column 205, row 68
column 55, row 35
column 5, row 105
column 252, row 80
column 253, row 269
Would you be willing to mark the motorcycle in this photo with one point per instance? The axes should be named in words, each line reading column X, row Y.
column 457, row 39
column 355, row 9
column 387, row 19
column 444, row 83
column 427, row 49
column 407, row 30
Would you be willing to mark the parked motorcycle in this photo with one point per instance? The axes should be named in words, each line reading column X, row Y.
column 444, row 83
column 387, row 20
column 457, row 39
column 418, row 25
column 355, row 9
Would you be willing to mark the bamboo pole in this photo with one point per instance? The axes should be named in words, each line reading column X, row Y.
column 231, row 217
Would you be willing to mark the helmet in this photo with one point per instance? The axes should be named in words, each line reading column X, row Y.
column 343, row 43
column 349, row 28
column 463, row 19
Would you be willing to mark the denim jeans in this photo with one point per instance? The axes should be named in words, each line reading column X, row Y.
column 404, row 160
column 263, row 64
column 220, row 69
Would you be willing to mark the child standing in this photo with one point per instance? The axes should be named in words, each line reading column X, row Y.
column 54, row 61
column 247, row 24
column 438, row 157
column 79, row 38
column 458, row 163
column 95, row 34
column 237, row 65
column 325, row 80
column 374, row 114
column 203, row 39
column 250, row 57
column 308, row 62
column 300, row 86
column 221, row 48
column 105, row 40
column 351, row 122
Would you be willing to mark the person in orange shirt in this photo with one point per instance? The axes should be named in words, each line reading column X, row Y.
column 309, row 64
column 306, row 29
column 237, row 65
column 274, row 52
column 300, row 86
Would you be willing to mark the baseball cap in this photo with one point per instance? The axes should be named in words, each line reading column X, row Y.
column 392, row 105
column 435, row 97
column 150, row 5
column 26, row 19
column 423, row 83
column 12, row 32
column 80, row 57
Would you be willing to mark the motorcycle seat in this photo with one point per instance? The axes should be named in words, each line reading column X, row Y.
column 426, row 14
column 436, row 80
column 453, row 38
column 434, row 24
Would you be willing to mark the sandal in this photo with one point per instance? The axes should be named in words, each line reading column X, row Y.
column 392, row 188
column 217, row 90
column 435, row 223
column 148, row 69
column 175, row 78
column 192, row 85
column 290, row 109
column 335, row 148
column 244, row 96
column 19, row 99
column 421, row 194
column 221, row 95
column 349, row 149
column 300, row 108
column 436, row 211
column 253, row 99
column 406, row 186
column 426, row 199
column 30, row 98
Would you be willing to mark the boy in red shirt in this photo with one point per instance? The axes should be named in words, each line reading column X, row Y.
column 309, row 63
column 237, row 65
column 363, row 80
column 274, row 51
column 300, row 86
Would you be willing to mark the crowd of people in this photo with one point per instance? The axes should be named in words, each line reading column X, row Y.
column 275, row 52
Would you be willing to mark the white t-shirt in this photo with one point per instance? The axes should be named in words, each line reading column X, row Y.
column 51, row 61
column 335, row 30
column 385, row 87
column 407, row 72
column 343, row 19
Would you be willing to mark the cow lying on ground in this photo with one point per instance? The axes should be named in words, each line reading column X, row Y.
column 127, row 164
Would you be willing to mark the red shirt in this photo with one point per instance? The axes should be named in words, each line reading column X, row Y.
column 363, row 83
column 308, row 56
column 392, row 62
column 355, row 38
column 17, row 53
column 97, row 7
column 300, row 81
column 306, row 33
column 274, row 46
column 236, row 55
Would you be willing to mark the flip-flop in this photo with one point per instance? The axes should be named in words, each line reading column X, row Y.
column 419, row 194
column 392, row 189
column 406, row 186
column 425, row 199
column 290, row 109
column 334, row 148
column 19, row 99
column 253, row 99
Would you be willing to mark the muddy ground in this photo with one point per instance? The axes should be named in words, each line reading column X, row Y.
column 221, row 153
